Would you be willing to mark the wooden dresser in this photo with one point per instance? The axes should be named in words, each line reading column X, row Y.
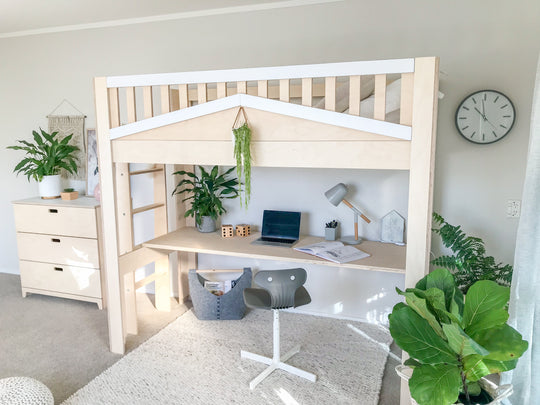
column 59, row 248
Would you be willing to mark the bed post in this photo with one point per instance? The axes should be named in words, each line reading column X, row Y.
column 110, row 243
column 424, row 128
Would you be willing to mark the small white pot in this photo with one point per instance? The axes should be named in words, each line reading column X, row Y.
column 50, row 187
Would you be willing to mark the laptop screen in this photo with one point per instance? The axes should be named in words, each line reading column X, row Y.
column 281, row 224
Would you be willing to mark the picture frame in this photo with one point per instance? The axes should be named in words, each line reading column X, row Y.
column 92, row 170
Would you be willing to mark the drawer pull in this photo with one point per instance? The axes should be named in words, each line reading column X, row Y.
column 53, row 210
column 58, row 269
column 55, row 240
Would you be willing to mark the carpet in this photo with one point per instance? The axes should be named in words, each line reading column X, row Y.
column 198, row 362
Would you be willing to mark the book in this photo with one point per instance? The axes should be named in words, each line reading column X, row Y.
column 334, row 251
column 219, row 287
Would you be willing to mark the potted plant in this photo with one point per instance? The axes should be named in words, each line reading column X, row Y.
column 454, row 340
column 206, row 193
column 44, row 159
column 468, row 261
column 69, row 194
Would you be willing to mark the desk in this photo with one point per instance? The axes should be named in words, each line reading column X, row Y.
column 384, row 256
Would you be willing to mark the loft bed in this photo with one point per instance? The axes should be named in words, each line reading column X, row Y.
column 296, row 114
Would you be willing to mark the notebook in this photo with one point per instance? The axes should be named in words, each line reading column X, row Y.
column 279, row 228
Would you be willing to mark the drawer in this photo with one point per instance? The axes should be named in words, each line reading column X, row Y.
column 68, row 221
column 61, row 278
column 79, row 252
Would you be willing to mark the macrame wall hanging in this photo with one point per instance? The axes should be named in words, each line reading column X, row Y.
column 242, row 153
column 67, row 124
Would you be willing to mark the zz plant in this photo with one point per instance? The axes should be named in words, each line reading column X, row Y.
column 206, row 192
column 468, row 261
column 46, row 156
column 454, row 340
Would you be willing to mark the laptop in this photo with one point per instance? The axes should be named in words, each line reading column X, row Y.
column 279, row 228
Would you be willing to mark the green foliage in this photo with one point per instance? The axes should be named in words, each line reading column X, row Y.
column 454, row 340
column 468, row 262
column 206, row 192
column 242, row 154
column 46, row 156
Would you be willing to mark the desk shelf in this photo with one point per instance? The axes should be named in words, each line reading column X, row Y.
column 384, row 257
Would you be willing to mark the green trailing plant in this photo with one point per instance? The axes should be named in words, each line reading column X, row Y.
column 206, row 192
column 46, row 156
column 468, row 262
column 242, row 154
column 453, row 339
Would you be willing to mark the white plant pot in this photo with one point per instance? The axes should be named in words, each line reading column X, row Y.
column 497, row 392
column 50, row 187
column 208, row 224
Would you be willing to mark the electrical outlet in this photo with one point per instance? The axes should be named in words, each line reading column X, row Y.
column 513, row 209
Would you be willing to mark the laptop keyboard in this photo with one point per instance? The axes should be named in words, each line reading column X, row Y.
column 279, row 240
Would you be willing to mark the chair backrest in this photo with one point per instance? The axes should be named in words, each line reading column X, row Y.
column 282, row 285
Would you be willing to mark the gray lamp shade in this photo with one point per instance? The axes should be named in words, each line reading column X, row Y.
column 336, row 194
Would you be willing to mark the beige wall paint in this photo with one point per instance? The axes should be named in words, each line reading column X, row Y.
column 481, row 44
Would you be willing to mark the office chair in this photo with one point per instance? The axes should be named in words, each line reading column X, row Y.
column 280, row 289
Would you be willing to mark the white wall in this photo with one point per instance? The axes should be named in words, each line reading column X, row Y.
column 491, row 45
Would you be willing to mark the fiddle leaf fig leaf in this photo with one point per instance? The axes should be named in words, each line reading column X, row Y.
column 504, row 343
column 476, row 367
column 460, row 342
column 414, row 335
column 420, row 306
column 435, row 384
column 485, row 306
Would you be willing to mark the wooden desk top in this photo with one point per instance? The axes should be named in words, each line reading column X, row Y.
column 384, row 256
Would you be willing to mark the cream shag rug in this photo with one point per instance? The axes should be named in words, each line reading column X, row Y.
column 198, row 362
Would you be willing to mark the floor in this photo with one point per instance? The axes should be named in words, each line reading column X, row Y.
column 64, row 343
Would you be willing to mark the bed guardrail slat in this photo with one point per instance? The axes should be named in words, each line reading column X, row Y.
column 221, row 90
column 330, row 93
column 284, row 90
column 262, row 88
column 130, row 104
column 407, row 85
column 148, row 102
column 114, row 108
column 164, row 97
column 241, row 87
column 354, row 95
column 307, row 91
column 202, row 96
column 379, row 112
column 183, row 96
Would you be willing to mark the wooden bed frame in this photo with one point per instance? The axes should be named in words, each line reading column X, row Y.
column 193, row 126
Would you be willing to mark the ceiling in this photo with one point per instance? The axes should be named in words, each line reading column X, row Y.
column 24, row 17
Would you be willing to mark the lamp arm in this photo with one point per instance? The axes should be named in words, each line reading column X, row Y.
column 356, row 210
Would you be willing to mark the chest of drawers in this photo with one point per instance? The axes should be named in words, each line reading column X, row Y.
column 59, row 248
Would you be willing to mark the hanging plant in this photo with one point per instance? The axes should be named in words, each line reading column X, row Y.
column 242, row 154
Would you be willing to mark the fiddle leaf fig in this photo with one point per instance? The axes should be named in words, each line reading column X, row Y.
column 485, row 306
column 437, row 384
column 461, row 343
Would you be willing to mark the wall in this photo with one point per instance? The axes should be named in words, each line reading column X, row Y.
column 482, row 45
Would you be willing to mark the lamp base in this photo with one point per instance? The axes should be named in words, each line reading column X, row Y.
column 349, row 240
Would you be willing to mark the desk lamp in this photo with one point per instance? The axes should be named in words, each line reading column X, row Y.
column 336, row 195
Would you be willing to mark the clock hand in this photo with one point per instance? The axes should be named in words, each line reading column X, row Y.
column 478, row 111
column 483, row 109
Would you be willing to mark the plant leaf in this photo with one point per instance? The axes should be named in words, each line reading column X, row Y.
column 420, row 307
column 503, row 342
column 485, row 306
column 435, row 384
column 460, row 342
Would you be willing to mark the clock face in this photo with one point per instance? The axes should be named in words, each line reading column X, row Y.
column 485, row 116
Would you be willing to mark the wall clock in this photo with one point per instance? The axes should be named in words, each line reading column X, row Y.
column 485, row 116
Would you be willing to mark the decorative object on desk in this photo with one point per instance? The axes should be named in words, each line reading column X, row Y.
column 227, row 231
column 44, row 158
column 68, row 119
column 242, row 153
column 243, row 230
column 454, row 340
column 468, row 262
column 206, row 193
column 337, row 195
column 92, row 170
column 69, row 194
column 392, row 228
column 330, row 230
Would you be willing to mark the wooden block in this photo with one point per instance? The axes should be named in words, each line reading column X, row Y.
column 227, row 231
column 69, row 195
column 243, row 230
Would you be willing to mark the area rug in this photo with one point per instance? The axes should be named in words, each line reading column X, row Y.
column 198, row 362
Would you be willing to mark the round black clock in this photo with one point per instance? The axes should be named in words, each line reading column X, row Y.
column 485, row 116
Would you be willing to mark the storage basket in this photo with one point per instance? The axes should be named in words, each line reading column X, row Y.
column 208, row 306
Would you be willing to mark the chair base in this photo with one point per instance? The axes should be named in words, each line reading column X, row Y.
column 275, row 364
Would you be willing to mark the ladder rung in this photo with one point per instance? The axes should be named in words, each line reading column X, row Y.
column 147, row 280
column 147, row 208
column 144, row 171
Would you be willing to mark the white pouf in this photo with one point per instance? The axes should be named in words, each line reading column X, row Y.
column 24, row 391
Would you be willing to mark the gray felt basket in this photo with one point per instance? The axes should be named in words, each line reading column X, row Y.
column 208, row 306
